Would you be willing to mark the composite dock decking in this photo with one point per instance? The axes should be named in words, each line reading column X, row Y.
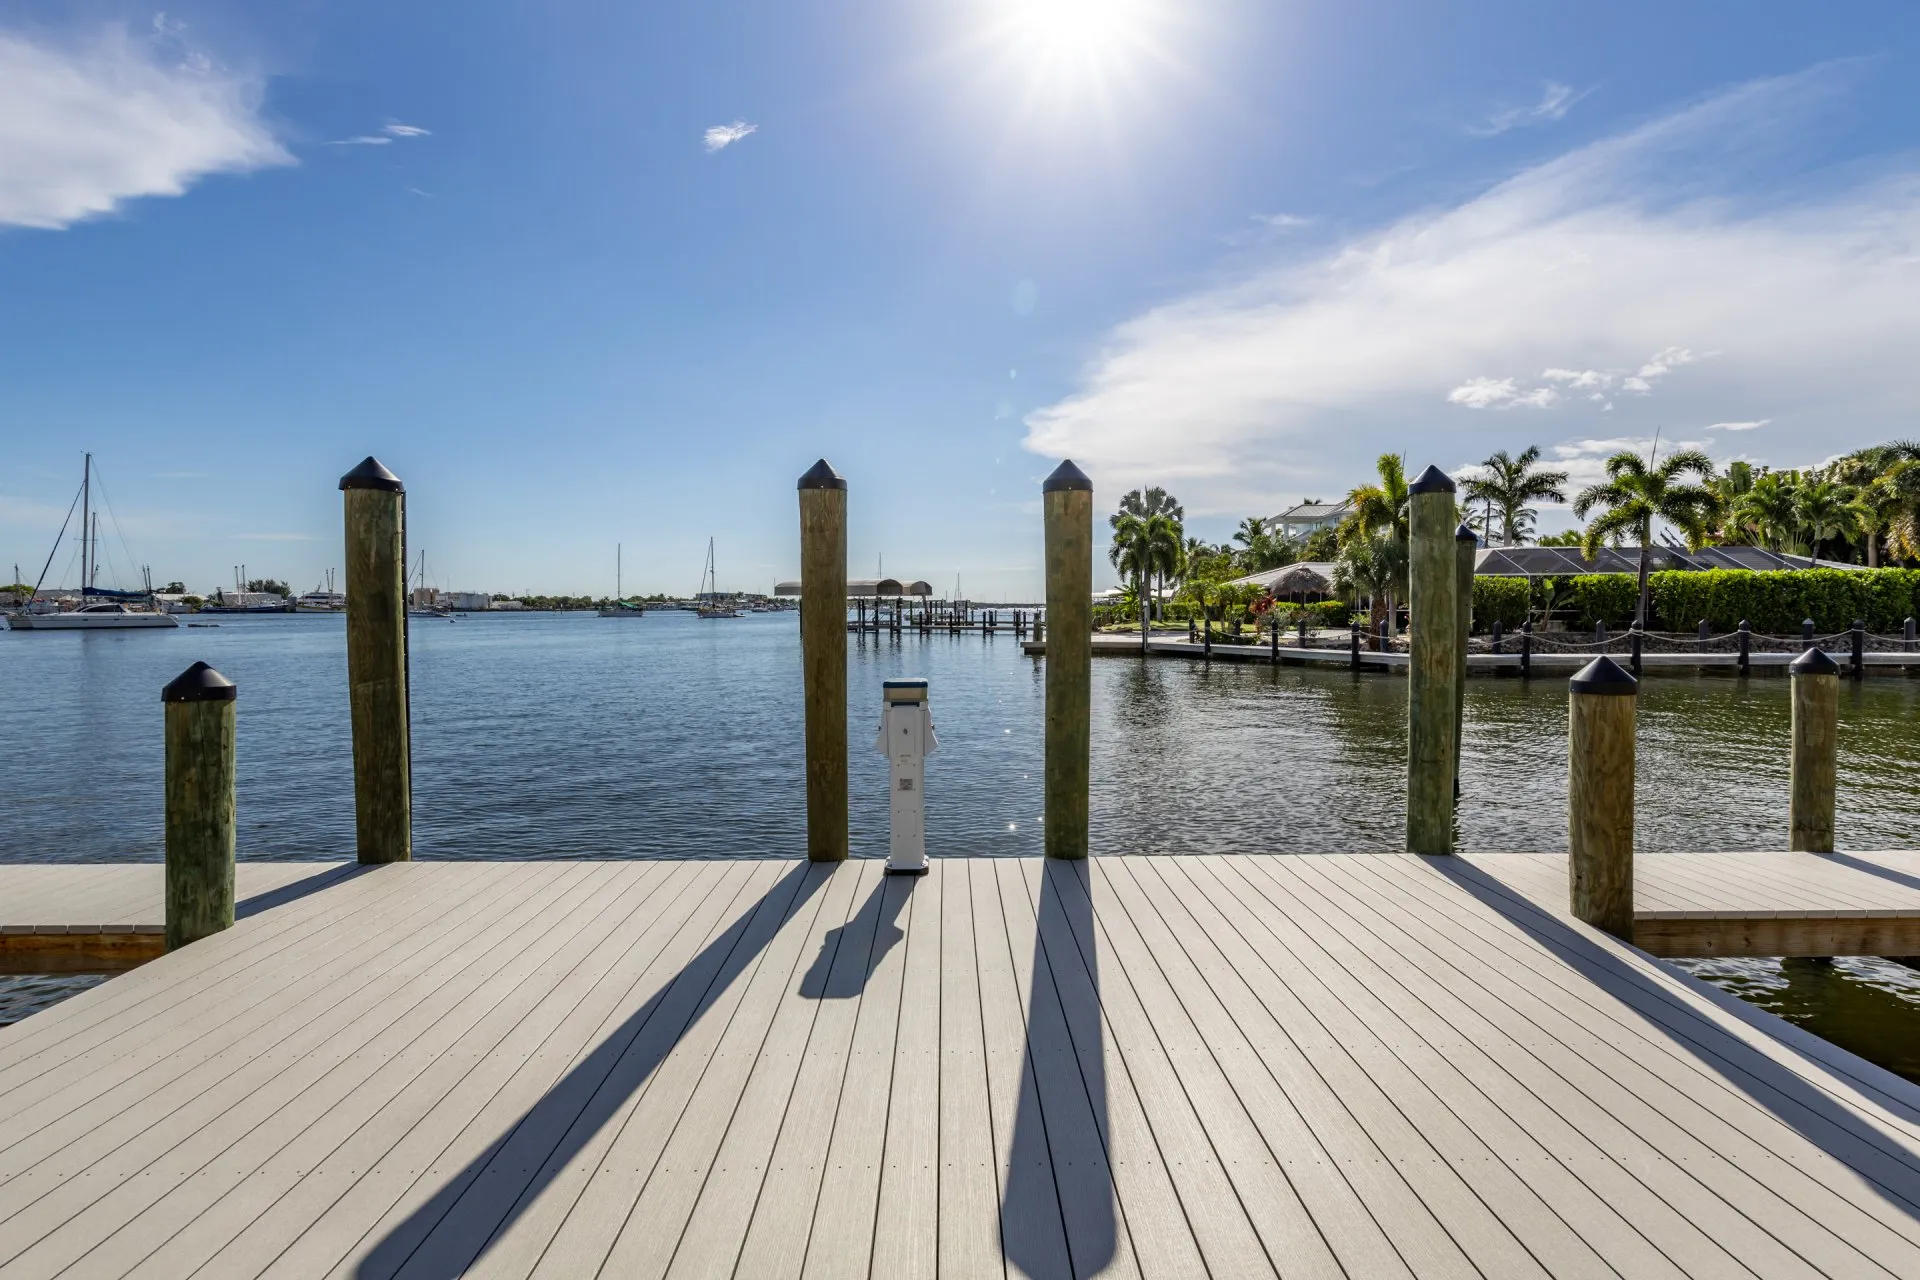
column 1320, row 1065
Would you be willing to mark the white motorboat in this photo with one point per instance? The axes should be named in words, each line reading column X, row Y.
column 93, row 617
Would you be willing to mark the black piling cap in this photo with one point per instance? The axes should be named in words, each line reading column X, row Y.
column 1814, row 663
column 1067, row 478
column 821, row 475
column 200, row 683
column 1465, row 534
column 1432, row 480
column 1605, row 676
column 371, row 475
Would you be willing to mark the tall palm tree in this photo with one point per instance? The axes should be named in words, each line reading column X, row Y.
column 1263, row 549
column 1511, row 486
column 1373, row 568
column 1765, row 511
column 1380, row 506
column 1143, row 549
column 1896, row 495
column 1636, row 494
column 1827, row 509
column 1144, row 504
column 1863, row 470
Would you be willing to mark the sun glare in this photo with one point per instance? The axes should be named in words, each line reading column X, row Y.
column 1082, row 35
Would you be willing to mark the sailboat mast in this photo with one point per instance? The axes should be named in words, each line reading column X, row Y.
column 86, row 520
column 618, row 592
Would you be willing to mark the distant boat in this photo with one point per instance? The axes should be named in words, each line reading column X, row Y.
column 425, row 600
column 101, row 608
column 709, row 593
column 621, row 606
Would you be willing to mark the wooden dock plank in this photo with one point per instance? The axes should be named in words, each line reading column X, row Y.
column 1060, row 1164
column 716, row 1226
column 504, row 1186
column 906, row 1226
column 969, row 1186
column 1164, row 1241
column 1032, row 1233
column 840, row 1239
column 837, row 982
column 519, row 1000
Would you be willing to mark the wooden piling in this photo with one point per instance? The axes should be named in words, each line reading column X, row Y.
column 200, row 803
column 376, row 564
column 1434, row 620
column 1814, row 769
column 1466, row 544
column 1067, row 503
column 1746, row 646
column 1600, row 732
column 823, row 656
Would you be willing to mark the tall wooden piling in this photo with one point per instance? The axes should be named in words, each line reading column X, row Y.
column 376, row 564
column 823, row 656
column 1600, row 728
column 1434, row 620
column 1814, row 769
column 200, row 805
column 1066, row 500
column 1466, row 546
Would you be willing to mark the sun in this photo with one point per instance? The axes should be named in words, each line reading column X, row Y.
column 1078, row 37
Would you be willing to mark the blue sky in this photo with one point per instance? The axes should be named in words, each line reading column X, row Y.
column 1237, row 248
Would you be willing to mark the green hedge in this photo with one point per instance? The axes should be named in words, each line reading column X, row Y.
column 1320, row 613
column 1611, row 598
column 1776, row 601
column 1502, row 600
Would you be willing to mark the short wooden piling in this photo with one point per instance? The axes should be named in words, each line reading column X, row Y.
column 1746, row 647
column 823, row 656
column 1353, row 643
column 200, row 803
column 1273, row 640
column 1466, row 546
column 1814, row 769
column 376, row 564
column 1434, row 621
column 1600, row 731
column 1858, row 636
column 1636, row 638
column 1066, row 499
column 1526, row 649
column 1806, row 631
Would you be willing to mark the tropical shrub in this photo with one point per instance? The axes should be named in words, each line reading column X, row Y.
column 1776, row 601
column 1502, row 600
column 1603, row 597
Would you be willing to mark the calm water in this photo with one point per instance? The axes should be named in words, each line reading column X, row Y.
column 539, row 736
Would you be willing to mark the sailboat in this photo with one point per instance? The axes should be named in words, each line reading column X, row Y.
column 708, row 597
column 423, row 601
column 621, row 608
column 101, row 608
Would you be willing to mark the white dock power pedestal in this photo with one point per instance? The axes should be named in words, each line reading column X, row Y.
column 906, row 740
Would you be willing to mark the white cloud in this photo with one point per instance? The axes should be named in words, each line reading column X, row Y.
column 388, row 132
column 90, row 124
column 1738, row 426
column 1555, row 100
column 1657, row 240
column 725, row 135
column 1500, row 393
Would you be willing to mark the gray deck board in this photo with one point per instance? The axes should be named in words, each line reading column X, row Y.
column 1339, row 1065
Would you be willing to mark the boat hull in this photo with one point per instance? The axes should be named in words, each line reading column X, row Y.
column 91, row 622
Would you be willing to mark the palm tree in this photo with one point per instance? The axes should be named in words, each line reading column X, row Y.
column 1896, row 495
column 1143, row 548
column 1828, row 509
column 1638, row 493
column 1371, row 567
column 1512, row 485
column 1863, row 470
column 1380, row 506
column 1145, row 504
column 1263, row 549
column 1765, row 510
